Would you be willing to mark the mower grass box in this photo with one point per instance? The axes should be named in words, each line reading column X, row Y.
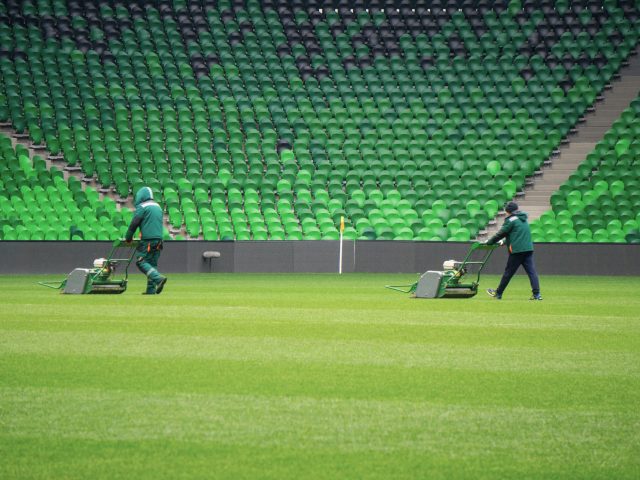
column 101, row 278
column 453, row 281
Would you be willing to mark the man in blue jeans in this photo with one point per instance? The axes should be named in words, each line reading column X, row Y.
column 518, row 235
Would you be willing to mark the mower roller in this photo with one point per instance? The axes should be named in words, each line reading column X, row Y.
column 101, row 278
column 451, row 281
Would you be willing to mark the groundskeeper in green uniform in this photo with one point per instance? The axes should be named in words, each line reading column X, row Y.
column 517, row 233
column 148, row 217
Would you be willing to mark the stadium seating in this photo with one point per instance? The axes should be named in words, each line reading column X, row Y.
column 272, row 120
column 38, row 204
column 600, row 202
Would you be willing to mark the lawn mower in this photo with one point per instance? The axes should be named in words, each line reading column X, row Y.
column 451, row 281
column 101, row 278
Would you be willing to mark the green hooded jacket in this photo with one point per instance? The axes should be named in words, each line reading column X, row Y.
column 516, row 230
column 148, row 216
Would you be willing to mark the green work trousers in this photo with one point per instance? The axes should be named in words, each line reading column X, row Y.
column 147, row 255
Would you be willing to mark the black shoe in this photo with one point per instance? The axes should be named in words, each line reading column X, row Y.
column 493, row 293
column 536, row 297
column 160, row 285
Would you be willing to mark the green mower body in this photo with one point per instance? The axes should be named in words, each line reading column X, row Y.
column 456, row 280
column 92, row 280
column 101, row 279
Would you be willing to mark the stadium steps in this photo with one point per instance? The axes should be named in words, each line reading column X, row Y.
column 40, row 150
column 535, row 199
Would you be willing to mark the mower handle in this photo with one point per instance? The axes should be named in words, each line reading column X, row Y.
column 121, row 242
column 484, row 246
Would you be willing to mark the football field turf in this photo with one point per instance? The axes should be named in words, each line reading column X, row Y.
column 319, row 376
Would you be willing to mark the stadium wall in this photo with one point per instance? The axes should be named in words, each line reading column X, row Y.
column 319, row 257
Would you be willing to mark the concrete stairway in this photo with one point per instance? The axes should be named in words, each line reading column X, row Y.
column 40, row 150
column 535, row 199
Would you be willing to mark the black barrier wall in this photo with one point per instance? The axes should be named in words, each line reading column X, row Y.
column 319, row 257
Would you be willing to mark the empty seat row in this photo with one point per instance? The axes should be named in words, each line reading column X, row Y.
column 203, row 100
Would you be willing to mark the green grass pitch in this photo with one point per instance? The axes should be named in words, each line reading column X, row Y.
column 319, row 376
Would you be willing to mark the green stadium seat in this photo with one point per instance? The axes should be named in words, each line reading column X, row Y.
column 595, row 204
column 238, row 108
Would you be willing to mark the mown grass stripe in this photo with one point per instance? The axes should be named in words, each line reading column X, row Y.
column 338, row 352
column 308, row 423
column 546, row 390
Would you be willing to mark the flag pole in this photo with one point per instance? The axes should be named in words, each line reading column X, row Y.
column 341, row 236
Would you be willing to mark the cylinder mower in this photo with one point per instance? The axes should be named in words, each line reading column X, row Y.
column 102, row 277
column 455, row 280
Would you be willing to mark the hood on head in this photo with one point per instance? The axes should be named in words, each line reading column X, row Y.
column 521, row 215
column 144, row 194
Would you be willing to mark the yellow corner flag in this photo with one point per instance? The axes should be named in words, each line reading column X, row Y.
column 342, row 223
